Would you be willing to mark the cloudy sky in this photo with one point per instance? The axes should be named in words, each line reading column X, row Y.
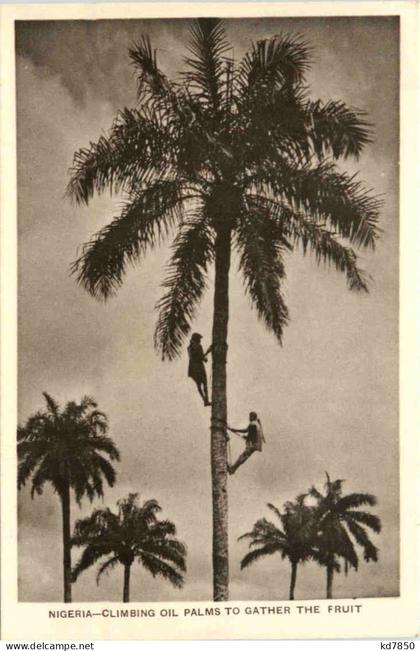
column 328, row 398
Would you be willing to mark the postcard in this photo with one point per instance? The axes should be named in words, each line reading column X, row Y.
column 208, row 320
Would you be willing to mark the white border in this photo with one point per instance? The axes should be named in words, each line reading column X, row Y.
column 387, row 617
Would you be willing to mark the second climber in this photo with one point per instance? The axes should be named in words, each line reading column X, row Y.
column 254, row 437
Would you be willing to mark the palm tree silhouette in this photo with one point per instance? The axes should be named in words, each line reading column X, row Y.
column 292, row 539
column 67, row 448
column 133, row 533
column 230, row 156
column 338, row 523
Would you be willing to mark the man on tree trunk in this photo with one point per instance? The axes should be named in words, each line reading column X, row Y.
column 196, row 368
column 254, row 438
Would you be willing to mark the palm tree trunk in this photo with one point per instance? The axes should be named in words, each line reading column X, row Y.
column 126, row 592
column 65, row 504
column 330, row 574
column 219, row 417
column 293, row 581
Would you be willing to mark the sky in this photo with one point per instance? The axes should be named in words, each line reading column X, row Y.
column 328, row 398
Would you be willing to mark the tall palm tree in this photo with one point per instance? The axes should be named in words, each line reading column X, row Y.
column 292, row 539
column 339, row 523
column 232, row 155
column 69, row 449
column 133, row 533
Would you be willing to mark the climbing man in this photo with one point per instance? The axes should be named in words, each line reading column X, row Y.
column 196, row 368
column 254, row 438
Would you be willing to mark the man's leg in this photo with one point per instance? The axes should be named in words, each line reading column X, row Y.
column 241, row 459
column 198, row 384
column 206, row 392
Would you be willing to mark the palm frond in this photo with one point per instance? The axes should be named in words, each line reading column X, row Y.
column 328, row 250
column 282, row 59
column 323, row 193
column 146, row 218
column 85, row 478
column 184, row 285
column 100, row 526
column 133, row 515
column 98, row 421
column 166, row 549
column 265, row 532
column 256, row 554
column 103, row 443
column 149, row 509
column 314, row 492
column 321, row 241
column 355, row 500
column 275, row 510
column 370, row 552
column 158, row 567
column 337, row 129
column 334, row 487
column 28, row 463
column 207, row 46
column 43, row 473
column 152, row 83
column 345, row 548
column 135, row 150
column 52, row 405
column 89, row 556
column 88, row 403
column 162, row 529
column 261, row 247
column 367, row 519
column 105, row 468
column 106, row 567
column 39, row 427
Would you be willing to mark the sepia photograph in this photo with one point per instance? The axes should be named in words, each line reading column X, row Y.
column 239, row 178
column 208, row 292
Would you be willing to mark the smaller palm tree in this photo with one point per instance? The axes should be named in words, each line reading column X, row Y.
column 69, row 449
column 292, row 540
column 339, row 522
column 133, row 533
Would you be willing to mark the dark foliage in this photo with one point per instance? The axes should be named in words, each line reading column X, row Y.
column 230, row 145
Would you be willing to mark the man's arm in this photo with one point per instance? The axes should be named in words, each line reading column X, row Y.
column 209, row 350
column 202, row 355
column 238, row 431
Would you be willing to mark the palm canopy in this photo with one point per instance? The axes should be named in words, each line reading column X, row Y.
column 292, row 537
column 134, row 532
column 237, row 147
column 339, row 522
column 67, row 447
